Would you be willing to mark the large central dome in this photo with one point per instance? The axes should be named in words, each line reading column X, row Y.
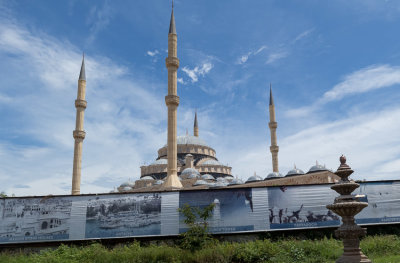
column 190, row 139
column 192, row 152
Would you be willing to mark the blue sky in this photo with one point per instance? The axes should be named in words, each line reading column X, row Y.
column 334, row 68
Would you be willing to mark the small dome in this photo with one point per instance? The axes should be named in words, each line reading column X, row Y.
column 254, row 178
column 192, row 176
column 229, row 178
column 160, row 162
column 295, row 171
column 211, row 162
column 127, row 184
column 159, row 182
column 221, row 179
column 147, row 177
column 207, row 177
column 218, row 185
column 273, row 175
column 200, row 182
column 235, row 181
column 189, row 171
column 317, row 167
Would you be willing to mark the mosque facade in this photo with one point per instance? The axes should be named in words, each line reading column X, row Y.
column 188, row 161
column 195, row 161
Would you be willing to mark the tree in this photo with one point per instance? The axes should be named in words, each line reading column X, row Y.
column 196, row 218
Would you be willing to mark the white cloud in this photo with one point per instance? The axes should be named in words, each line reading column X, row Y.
column 361, row 81
column 273, row 57
column 99, row 18
column 243, row 59
column 303, row 35
column 180, row 80
column 152, row 53
column 197, row 71
column 364, row 80
column 370, row 142
column 260, row 49
column 41, row 82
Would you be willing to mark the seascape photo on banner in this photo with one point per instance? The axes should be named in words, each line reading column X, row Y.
column 123, row 215
column 301, row 207
column 232, row 211
column 383, row 200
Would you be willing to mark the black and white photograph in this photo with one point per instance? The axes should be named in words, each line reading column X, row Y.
column 32, row 219
column 123, row 215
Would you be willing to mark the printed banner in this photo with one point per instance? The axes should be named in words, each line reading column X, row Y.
column 43, row 219
column 123, row 215
column 232, row 211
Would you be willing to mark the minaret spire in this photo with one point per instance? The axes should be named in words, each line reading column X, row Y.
column 271, row 98
column 195, row 126
column 272, row 126
column 172, row 102
column 172, row 29
column 82, row 74
column 79, row 133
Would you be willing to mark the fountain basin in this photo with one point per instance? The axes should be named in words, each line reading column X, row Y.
column 348, row 208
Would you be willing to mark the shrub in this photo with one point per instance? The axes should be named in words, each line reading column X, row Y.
column 197, row 237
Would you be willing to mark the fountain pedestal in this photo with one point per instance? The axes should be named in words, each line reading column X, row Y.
column 347, row 206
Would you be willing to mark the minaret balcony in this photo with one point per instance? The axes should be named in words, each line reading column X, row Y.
column 172, row 62
column 80, row 104
column 273, row 125
column 274, row 148
column 172, row 100
column 79, row 134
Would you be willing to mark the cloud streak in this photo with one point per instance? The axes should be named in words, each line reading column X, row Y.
column 198, row 71
column 273, row 57
column 152, row 53
column 361, row 81
column 99, row 18
column 243, row 59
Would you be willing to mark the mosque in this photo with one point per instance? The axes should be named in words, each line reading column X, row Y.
column 188, row 162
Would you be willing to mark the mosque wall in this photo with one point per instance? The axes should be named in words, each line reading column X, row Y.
column 237, row 210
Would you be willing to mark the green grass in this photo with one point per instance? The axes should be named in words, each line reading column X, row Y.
column 384, row 249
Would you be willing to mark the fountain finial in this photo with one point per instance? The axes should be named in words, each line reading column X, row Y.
column 342, row 159
column 343, row 164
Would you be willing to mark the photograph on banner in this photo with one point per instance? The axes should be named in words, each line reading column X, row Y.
column 232, row 208
column 123, row 215
column 301, row 207
column 383, row 200
column 34, row 219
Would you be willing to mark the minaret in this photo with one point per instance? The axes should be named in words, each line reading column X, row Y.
column 172, row 102
column 79, row 133
column 195, row 126
column 272, row 126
